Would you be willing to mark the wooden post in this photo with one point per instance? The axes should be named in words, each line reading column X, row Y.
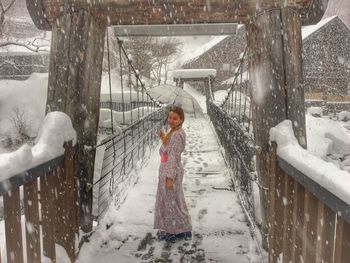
column 293, row 73
column 274, row 57
column 74, row 88
column 265, row 58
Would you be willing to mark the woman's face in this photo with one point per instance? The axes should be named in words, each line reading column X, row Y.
column 174, row 120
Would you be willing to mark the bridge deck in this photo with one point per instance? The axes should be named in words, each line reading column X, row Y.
column 220, row 229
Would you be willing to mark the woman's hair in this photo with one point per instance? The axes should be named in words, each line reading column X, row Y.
column 179, row 111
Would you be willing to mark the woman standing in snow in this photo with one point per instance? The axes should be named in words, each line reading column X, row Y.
column 171, row 213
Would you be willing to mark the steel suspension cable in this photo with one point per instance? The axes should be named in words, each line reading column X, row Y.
column 110, row 83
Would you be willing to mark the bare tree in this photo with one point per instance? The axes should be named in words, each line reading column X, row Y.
column 32, row 45
column 140, row 51
column 164, row 52
column 21, row 132
column 4, row 8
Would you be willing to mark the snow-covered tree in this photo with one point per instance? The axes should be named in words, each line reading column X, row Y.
column 5, row 6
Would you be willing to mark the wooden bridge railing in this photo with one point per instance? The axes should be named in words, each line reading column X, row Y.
column 122, row 152
column 50, row 204
column 307, row 223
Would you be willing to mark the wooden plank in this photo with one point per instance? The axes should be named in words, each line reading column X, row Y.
column 342, row 241
column 279, row 209
column 310, row 228
column 47, row 214
column 176, row 30
column 31, row 210
column 325, row 234
column 13, row 229
column 60, row 213
column 288, row 226
column 177, row 11
column 70, row 200
column 272, row 194
column 298, row 222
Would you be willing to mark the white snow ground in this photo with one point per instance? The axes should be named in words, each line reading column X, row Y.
column 220, row 228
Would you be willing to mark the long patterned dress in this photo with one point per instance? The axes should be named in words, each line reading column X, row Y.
column 171, row 213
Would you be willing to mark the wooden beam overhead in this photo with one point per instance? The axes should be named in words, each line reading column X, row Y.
column 157, row 12
column 176, row 30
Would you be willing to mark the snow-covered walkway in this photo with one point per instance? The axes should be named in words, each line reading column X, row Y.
column 220, row 229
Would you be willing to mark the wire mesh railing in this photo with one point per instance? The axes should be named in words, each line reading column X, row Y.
column 134, row 117
column 232, row 119
column 122, row 154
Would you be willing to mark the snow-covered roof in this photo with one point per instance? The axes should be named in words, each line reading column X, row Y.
column 193, row 73
column 203, row 48
column 308, row 30
column 232, row 79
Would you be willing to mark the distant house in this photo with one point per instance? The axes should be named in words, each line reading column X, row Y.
column 20, row 65
column 18, row 62
column 221, row 54
column 326, row 56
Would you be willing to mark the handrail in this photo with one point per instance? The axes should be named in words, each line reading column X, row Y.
column 30, row 175
column 328, row 198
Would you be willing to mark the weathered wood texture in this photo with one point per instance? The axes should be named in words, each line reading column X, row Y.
column 36, row 11
column 293, row 74
column 57, row 215
column 74, row 88
column 298, row 221
column 141, row 12
column 31, row 211
column 48, row 205
column 274, row 57
column 265, row 59
column 13, row 230
column 302, row 227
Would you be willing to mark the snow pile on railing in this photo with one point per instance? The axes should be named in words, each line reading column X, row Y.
column 324, row 173
column 55, row 130
column 193, row 73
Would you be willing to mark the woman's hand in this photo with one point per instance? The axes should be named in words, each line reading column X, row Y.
column 169, row 183
column 161, row 134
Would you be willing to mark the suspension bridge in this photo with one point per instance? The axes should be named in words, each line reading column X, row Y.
column 301, row 221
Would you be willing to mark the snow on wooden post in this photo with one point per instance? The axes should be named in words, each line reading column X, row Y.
column 74, row 88
column 265, row 58
column 274, row 44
